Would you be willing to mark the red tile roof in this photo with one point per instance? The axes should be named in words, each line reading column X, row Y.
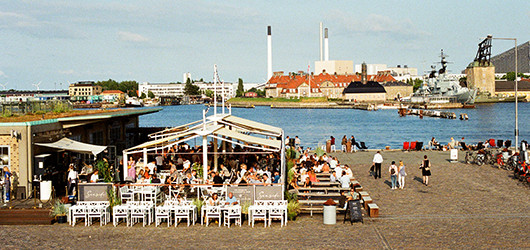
column 294, row 81
column 109, row 92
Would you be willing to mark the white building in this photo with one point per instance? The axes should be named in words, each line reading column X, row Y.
column 371, row 69
column 334, row 67
column 177, row 89
column 162, row 89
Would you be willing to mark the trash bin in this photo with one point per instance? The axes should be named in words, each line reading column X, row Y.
column 330, row 212
column 454, row 155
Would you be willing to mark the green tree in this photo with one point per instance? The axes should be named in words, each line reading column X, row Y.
column 208, row 93
column 108, row 84
column 142, row 96
column 240, row 90
column 150, row 94
column 191, row 89
column 416, row 83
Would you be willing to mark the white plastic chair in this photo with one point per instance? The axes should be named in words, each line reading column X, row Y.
column 139, row 212
column 333, row 148
column 232, row 213
column 212, row 212
column 276, row 213
column 126, row 194
column 259, row 203
column 259, row 214
column 96, row 212
column 78, row 212
column 120, row 212
column 182, row 213
column 162, row 212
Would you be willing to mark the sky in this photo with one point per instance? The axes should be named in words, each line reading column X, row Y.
column 61, row 42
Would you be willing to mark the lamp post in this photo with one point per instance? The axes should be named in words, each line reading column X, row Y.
column 516, row 132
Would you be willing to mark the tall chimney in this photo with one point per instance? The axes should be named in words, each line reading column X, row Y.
column 326, row 45
column 320, row 37
column 364, row 74
column 269, row 53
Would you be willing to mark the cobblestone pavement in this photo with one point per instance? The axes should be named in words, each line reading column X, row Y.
column 466, row 206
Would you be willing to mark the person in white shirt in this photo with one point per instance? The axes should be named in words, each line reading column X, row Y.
column 73, row 178
column 152, row 167
column 348, row 171
column 344, row 180
column 376, row 162
column 401, row 175
column 95, row 177
column 333, row 177
column 338, row 170
column 333, row 163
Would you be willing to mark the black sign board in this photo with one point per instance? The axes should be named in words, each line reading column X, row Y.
column 242, row 193
column 94, row 191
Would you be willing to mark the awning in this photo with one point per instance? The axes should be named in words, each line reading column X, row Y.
column 75, row 146
column 276, row 144
column 252, row 125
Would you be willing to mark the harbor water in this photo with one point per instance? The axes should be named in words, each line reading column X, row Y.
column 377, row 129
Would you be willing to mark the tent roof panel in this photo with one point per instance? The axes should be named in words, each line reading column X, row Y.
column 252, row 124
column 248, row 138
column 71, row 145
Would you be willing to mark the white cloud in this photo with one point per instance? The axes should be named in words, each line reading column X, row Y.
column 36, row 27
column 131, row 37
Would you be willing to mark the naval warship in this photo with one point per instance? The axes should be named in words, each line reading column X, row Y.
column 439, row 87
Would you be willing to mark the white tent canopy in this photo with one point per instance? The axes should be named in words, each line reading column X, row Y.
column 75, row 146
column 226, row 127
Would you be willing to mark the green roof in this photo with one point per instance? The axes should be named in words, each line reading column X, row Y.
column 108, row 115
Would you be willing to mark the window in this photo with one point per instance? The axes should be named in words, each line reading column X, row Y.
column 4, row 156
column 96, row 138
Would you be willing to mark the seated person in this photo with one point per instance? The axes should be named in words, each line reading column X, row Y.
column 173, row 174
column 307, row 183
column 333, row 177
column 217, row 179
column 344, row 180
column 231, row 200
column 140, row 175
column 434, row 144
column 213, row 200
column 464, row 146
column 293, row 183
column 352, row 195
column 95, row 177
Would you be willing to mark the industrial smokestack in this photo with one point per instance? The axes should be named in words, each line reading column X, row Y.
column 269, row 53
column 320, row 37
column 326, row 45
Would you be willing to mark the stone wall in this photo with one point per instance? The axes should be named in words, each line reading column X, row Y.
column 481, row 78
column 7, row 140
column 393, row 91
column 363, row 97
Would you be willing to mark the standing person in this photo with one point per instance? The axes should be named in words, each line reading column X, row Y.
column 7, row 184
column 393, row 170
column 297, row 141
column 131, row 169
column 332, row 139
column 376, row 162
column 73, row 178
column 344, row 142
column 401, row 175
column 425, row 170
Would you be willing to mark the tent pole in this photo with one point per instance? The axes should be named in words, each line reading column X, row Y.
column 282, row 157
column 125, row 163
column 204, row 158
column 215, row 155
column 145, row 157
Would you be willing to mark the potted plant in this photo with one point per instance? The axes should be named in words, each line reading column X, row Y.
column 59, row 212
column 244, row 209
column 293, row 209
column 198, row 203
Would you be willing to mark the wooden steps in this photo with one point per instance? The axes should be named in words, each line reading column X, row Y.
column 25, row 217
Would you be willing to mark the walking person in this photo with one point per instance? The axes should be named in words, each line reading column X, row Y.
column 73, row 179
column 7, row 185
column 401, row 175
column 425, row 170
column 393, row 170
column 376, row 162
